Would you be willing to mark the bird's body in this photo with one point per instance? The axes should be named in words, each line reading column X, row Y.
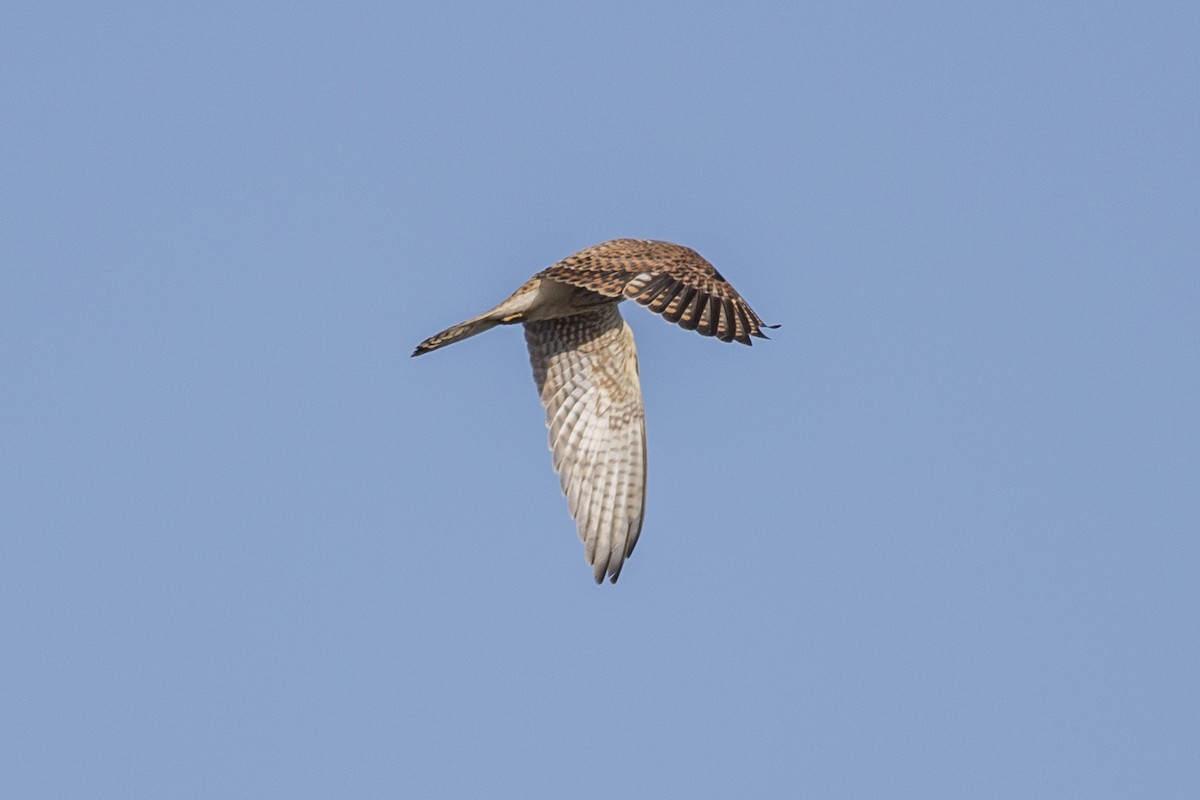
column 585, row 366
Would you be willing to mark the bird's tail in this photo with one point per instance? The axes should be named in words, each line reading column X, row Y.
column 457, row 333
column 510, row 312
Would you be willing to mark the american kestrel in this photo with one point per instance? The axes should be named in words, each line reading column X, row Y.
column 585, row 366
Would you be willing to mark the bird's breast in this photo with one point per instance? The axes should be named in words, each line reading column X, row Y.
column 552, row 300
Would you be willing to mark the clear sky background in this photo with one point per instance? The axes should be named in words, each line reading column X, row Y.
column 938, row 538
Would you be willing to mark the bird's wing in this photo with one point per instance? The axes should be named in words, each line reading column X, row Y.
column 667, row 278
column 585, row 367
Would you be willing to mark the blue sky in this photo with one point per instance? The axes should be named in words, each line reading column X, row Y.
column 938, row 538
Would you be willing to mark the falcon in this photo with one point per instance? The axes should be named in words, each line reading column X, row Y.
column 585, row 367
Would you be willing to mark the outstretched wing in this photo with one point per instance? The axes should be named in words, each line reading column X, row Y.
column 667, row 278
column 585, row 367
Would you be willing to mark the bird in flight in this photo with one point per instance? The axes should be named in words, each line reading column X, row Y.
column 585, row 366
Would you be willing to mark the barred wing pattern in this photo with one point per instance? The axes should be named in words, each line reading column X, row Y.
column 668, row 279
column 585, row 367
